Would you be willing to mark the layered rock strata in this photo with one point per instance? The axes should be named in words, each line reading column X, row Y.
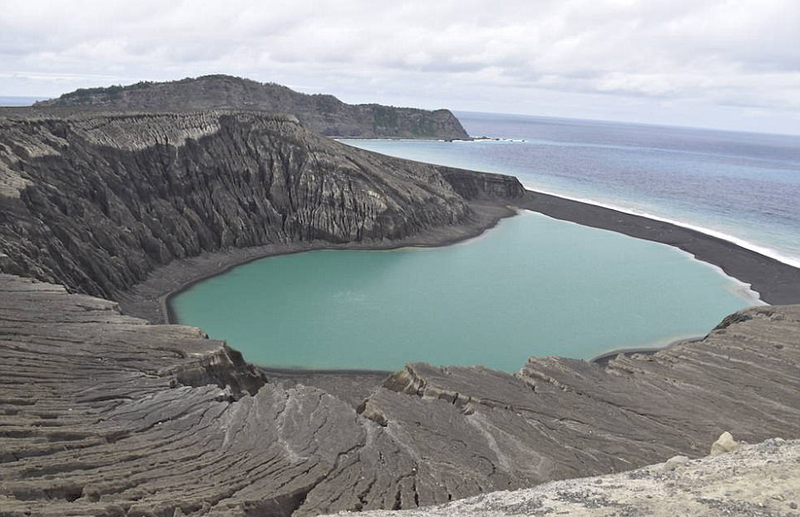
column 102, row 414
column 97, row 201
column 324, row 114
column 759, row 479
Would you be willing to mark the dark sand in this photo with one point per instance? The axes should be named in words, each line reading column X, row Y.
column 150, row 299
column 777, row 283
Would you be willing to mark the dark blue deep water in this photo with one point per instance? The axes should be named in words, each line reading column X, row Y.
column 744, row 187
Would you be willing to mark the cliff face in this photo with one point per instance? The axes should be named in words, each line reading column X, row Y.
column 324, row 114
column 102, row 414
column 95, row 202
column 759, row 479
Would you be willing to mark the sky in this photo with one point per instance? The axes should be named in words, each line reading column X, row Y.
column 703, row 63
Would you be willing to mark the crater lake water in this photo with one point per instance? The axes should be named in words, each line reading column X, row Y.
column 531, row 286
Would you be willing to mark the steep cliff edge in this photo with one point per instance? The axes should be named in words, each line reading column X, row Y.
column 755, row 480
column 324, row 114
column 102, row 414
column 97, row 201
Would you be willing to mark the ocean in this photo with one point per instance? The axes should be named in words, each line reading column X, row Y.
column 742, row 187
column 12, row 101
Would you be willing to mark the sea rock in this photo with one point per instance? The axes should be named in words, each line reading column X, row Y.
column 725, row 443
column 324, row 114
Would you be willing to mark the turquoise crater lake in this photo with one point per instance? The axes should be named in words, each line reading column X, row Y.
column 531, row 286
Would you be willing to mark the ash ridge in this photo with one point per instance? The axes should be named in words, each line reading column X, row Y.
column 322, row 113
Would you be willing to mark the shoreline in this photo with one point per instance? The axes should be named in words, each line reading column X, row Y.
column 150, row 299
column 773, row 281
column 743, row 291
column 604, row 358
column 742, row 243
column 776, row 282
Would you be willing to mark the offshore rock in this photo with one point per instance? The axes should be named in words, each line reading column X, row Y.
column 97, row 201
column 103, row 414
column 324, row 114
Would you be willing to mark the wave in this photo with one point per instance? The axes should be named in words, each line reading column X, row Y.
column 762, row 250
column 492, row 139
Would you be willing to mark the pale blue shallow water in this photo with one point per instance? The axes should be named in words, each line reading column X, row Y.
column 531, row 286
column 741, row 186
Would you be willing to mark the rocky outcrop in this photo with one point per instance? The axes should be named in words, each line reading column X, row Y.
column 725, row 443
column 473, row 185
column 96, row 201
column 757, row 480
column 324, row 114
column 102, row 414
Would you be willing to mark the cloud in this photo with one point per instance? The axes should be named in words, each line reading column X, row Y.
column 712, row 53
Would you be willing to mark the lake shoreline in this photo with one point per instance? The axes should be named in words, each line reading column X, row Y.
column 604, row 358
column 774, row 281
column 151, row 299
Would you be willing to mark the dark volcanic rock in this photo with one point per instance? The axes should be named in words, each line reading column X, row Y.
column 102, row 414
column 322, row 113
column 96, row 202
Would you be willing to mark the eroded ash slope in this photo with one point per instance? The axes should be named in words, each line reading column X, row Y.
column 102, row 414
column 97, row 201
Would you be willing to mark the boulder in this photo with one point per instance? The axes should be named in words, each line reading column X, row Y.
column 725, row 443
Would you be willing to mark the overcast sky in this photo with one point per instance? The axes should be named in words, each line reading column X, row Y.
column 708, row 63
